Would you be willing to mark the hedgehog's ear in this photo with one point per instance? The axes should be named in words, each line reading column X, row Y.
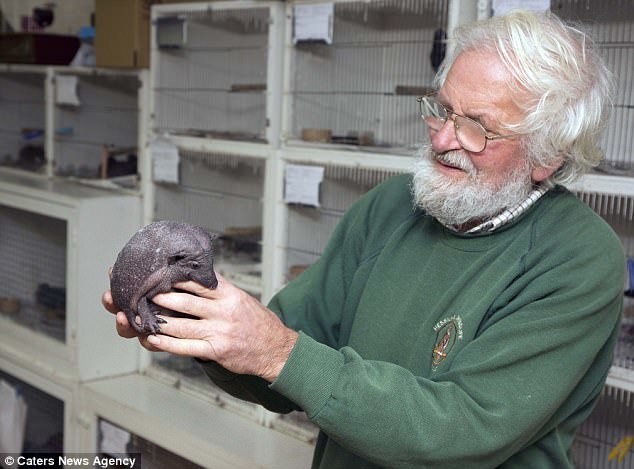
column 204, row 238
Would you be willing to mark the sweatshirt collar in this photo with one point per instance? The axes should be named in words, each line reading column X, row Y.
column 508, row 214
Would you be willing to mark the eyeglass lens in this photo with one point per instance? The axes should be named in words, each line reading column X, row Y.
column 469, row 133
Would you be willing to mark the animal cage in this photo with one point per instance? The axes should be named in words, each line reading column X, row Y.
column 613, row 418
column 223, row 193
column 310, row 227
column 45, row 416
column 216, row 190
column 359, row 89
column 112, row 437
column 210, row 78
column 618, row 211
column 93, row 113
column 611, row 421
column 33, row 280
column 611, row 26
column 22, row 126
column 346, row 103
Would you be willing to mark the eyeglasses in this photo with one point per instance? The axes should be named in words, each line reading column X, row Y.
column 471, row 135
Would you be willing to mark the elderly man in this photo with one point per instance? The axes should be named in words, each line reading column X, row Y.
column 463, row 315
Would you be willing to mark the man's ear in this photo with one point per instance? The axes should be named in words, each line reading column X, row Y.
column 541, row 174
column 544, row 172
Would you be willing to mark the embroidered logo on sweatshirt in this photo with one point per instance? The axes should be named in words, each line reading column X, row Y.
column 448, row 331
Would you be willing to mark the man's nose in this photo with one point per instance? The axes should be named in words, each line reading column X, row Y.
column 444, row 139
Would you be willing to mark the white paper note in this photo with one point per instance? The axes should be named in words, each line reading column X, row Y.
column 313, row 22
column 302, row 184
column 502, row 7
column 165, row 161
column 114, row 440
column 66, row 90
column 13, row 410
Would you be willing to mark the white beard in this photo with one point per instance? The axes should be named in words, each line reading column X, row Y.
column 455, row 204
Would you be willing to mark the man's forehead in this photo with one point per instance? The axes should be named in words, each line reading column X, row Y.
column 480, row 86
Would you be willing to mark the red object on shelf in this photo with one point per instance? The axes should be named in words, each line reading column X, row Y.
column 38, row 48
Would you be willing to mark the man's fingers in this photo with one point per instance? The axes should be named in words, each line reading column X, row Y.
column 106, row 301
column 124, row 329
column 145, row 343
column 185, row 347
column 181, row 327
column 204, row 292
column 181, row 302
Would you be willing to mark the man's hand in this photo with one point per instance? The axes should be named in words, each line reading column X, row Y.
column 124, row 329
column 233, row 328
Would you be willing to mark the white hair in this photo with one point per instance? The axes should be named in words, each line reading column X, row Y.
column 568, row 86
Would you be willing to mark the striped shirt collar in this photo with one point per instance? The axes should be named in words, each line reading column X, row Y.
column 509, row 214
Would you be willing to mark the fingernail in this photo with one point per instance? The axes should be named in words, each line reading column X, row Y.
column 153, row 339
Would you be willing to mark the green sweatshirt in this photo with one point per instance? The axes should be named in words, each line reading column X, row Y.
column 424, row 348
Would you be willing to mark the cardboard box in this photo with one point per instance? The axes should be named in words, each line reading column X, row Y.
column 122, row 33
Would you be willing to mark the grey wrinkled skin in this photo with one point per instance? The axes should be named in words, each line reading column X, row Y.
column 157, row 256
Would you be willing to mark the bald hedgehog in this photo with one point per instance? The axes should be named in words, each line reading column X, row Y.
column 155, row 258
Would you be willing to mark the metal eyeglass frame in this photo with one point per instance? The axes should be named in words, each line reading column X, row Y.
column 450, row 114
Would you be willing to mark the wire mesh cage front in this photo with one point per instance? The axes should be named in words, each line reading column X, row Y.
column 22, row 126
column 220, row 192
column 361, row 88
column 612, row 421
column 213, row 83
column 96, row 113
column 601, row 440
column 151, row 455
column 223, row 194
column 611, row 25
column 618, row 211
column 44, row 426
column 33, row 274
column 310, row 228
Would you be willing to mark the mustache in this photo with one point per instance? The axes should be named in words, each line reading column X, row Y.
column 457, row 159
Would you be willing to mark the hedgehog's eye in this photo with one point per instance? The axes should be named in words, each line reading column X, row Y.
column 174, row 259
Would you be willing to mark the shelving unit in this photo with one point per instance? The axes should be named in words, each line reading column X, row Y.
column 57, row 244
column 341, row 106
column 214, row 91
column 186, row 425
column 610, row 192
column 57, row 225
column 239, row 100
column 610, row 422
